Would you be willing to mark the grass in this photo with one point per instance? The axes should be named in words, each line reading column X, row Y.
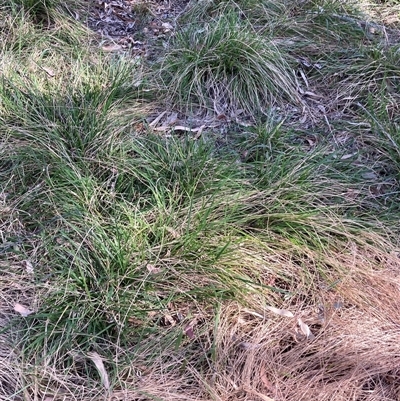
column 149, row 262
column 225, row 66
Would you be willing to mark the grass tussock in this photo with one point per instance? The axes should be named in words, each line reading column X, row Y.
column 248, row 263
column 225, row 65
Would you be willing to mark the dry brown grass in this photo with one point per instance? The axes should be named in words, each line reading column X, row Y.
column 356, row 352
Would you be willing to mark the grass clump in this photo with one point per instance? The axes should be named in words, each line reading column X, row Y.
column 224, row 65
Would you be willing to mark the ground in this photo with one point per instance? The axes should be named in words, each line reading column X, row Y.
column 199, row 200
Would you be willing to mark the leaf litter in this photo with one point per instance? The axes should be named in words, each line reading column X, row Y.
column 133, row 25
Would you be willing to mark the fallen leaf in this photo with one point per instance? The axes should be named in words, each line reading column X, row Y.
column 182, row 128
column 199, row 132
column 152, row 269
column 280, row 312
column 303, row 119
column 312, row 94
column 305, row 329
column 28, row 267
column 348, row 156
column 49, row 71
column 157, row 119
column 369, row 176
column 267, row 383
column 173, row 232
column 304, row 77
column 22, row 310
column 169, row 320
column 248, row 346
column 171, row 119
column 338, row 305
column 167, row 25
column 111, row 48
column 250, row 312
column 178, row 128
column 98, row 361
column 189, row 331
column 162, row 129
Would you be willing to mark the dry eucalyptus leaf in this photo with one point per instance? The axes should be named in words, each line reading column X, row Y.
column 312, row 94
column 249, row 346
column 348, row 156
column 189, row 331
column 173, row 232
column 169, row 320
column 157, row 119
column 152, row 269
column 167, row 25
column 111, row 48
column 29, row 267
column 22, row 310
column 280, row 312
column 98, row 361
column 265, row 381
column 49, row 71
column 250, row 312
column 305, row 329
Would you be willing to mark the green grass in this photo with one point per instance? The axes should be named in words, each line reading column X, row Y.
column 225, row 66
column 161, row 253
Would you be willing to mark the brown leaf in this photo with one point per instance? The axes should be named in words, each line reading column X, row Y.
column 305, row 329
column 248, row 346
column 169, row 320
column 189, row 331
column 312, row 94
column 280, row 312
column 250, row 312
column 171, row 119
column 22, row 310
column 348, row 156
column 28, row 267
column 152, row 269
column 267, row 384
column 173, row 232
column 182, row 128
column 49, row 71
column 98, row 361
column 111, row 48
column 157, row 119
column 167, row 26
